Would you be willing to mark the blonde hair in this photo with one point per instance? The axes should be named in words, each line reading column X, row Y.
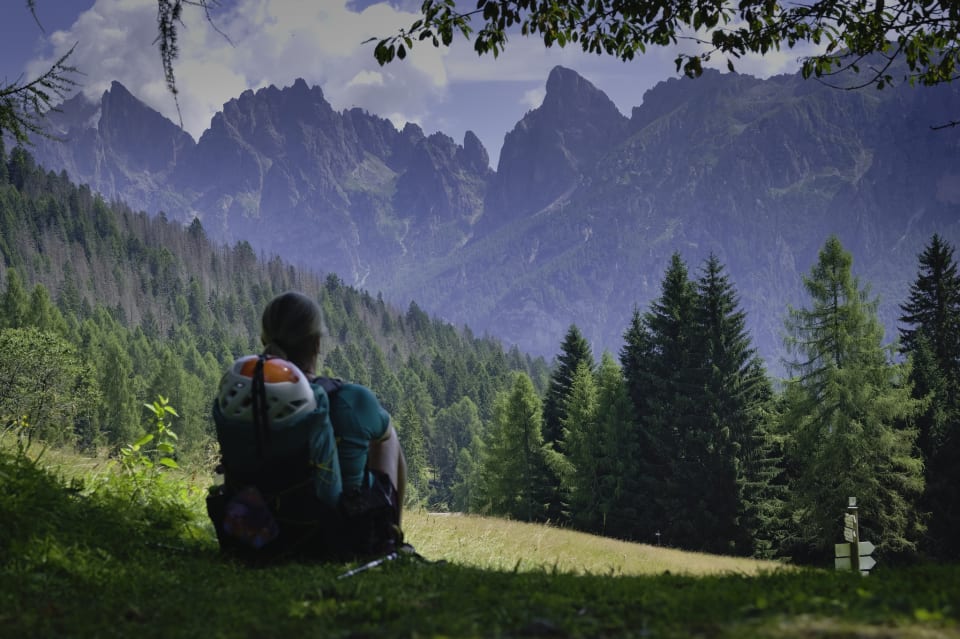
column 291, row 328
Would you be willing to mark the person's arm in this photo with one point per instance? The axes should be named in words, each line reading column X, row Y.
column 386, row 456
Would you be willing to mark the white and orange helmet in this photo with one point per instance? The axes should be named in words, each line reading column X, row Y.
column 287, row 391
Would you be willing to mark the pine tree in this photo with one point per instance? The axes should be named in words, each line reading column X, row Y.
column 574, row 351
column 843, row 409
column 575, row 466
column 620, row 453
column 456, row 428
column 410, row 432
column 725, row 478
column 663, row 372
column 764, row 505
column 120, row 412
column 15, row 302
column 514, row 467
column 933, row 308
column 932, row 338
column 42, row 314
column 466, row 495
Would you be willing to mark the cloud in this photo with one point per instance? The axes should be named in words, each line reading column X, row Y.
column 773, row 62
column 533, row 98
column 323, row 41
column 252, row 44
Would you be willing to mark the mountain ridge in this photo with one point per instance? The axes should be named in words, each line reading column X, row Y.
column 585, row 207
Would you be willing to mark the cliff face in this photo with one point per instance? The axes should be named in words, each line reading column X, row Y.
column 340, row 192
column 586, row 206
column 544, row 156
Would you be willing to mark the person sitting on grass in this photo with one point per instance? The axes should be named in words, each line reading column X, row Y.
column 355, row 471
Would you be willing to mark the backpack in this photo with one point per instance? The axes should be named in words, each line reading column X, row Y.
column 282, row 495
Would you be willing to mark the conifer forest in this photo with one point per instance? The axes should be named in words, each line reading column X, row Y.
column 682, row 437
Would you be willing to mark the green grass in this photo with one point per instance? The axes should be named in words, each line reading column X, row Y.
column 100, row 559
column 499, row 545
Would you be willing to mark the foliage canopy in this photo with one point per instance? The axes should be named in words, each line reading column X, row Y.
column 845, row 33
column 849, row 413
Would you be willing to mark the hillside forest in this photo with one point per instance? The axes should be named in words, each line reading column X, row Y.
column 681, row 438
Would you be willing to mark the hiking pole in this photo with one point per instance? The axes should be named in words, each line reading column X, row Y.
column 369, row 565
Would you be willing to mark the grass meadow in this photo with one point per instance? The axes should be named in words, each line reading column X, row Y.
column 89, row 551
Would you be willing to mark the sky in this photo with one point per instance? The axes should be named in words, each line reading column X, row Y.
column 252, row 44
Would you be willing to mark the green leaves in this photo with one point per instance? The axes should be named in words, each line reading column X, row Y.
column 852, row 31
column 141, row 463
column 848, row 414
column 44, row 381
column 23, row 104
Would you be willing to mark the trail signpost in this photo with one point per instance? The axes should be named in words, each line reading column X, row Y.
column 854, row 554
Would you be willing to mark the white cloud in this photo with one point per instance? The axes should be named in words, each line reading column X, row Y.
column 774, row 62
column 323, row 42
column 267, row 42
column 366, row 78
column 533, row 98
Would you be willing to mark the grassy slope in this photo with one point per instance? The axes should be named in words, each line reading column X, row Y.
column 93, row 561
column 496, row 544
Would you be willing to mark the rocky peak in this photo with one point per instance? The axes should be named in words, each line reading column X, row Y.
column 135, row 135
column 78, row 113
column 444, row 182
column 473, row 155
column 570, row 96
column 544, row 155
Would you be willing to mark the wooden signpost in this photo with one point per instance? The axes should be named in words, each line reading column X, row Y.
column 854, row 554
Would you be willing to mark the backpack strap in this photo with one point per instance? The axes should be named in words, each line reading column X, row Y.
column 261, row 416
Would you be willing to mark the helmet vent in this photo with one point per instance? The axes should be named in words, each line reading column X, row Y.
column 286, row 392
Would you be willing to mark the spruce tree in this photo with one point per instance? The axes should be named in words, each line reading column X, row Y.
column 455, row 430
column 574, row 351
column 663, row 372
column 15, row 302
column 43, row 314
column 633, row 358
column 466, row 489
column 725, row 433
column 933, row 308
column 410, row 432
column 514, row 466
column 620, row 452
column 120, row 413
column 847, row 413
column 932, row 339
column 583, row 451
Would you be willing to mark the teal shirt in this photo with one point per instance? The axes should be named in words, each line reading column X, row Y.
column 358, row 418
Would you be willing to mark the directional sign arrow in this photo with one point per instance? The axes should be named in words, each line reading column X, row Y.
column 841, row 550
column 866, row 563
column 864, row 548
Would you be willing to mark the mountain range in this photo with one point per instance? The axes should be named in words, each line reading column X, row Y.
column 579, row 219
